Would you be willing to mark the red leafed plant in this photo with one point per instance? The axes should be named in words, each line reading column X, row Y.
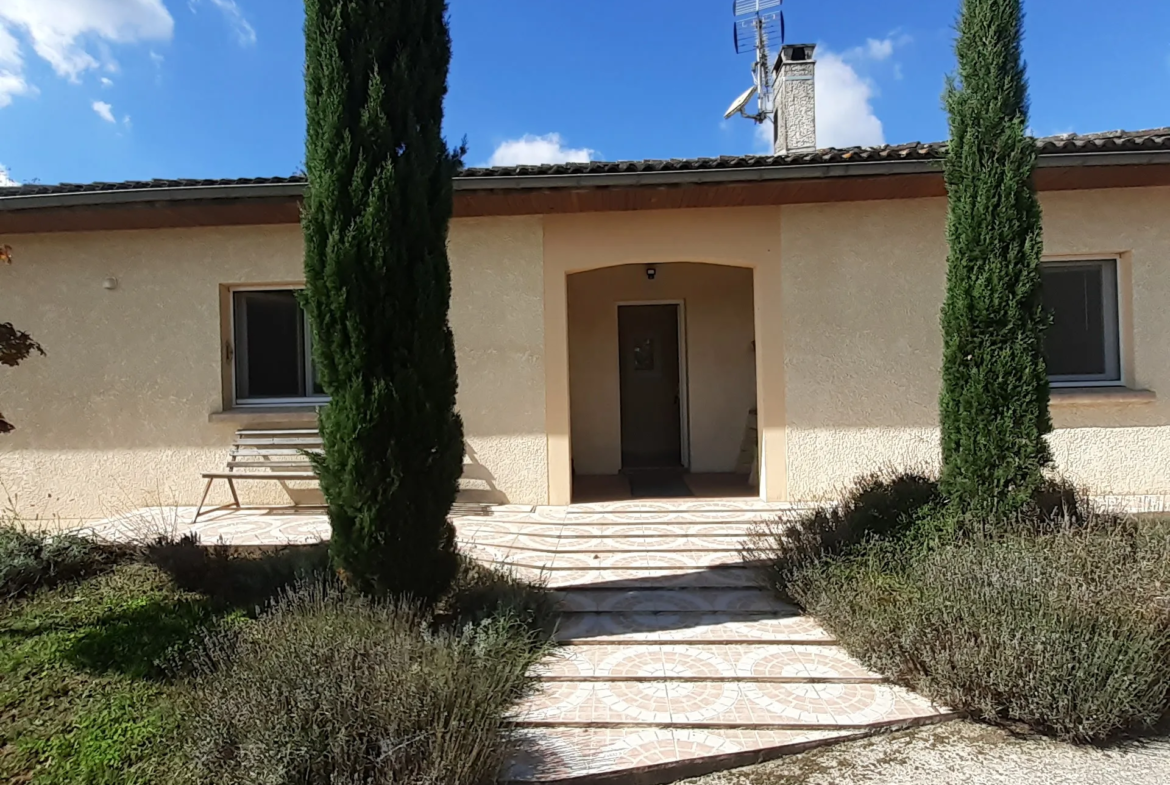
column 15, row 345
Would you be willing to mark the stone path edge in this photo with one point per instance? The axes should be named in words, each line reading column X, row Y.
column 669, row 772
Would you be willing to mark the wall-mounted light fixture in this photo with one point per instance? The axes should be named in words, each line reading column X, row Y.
column 651, row 271
column 110, row 284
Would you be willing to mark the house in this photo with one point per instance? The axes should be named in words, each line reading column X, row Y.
column 607, row 316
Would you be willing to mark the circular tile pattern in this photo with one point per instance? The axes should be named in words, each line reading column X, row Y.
column 557, row 701
column 789, row 702
column 858, row 703
column 631, row 662
column 636, row 701
column 699, row 743
column 697, row 701
column 770, row 662
column 688, row 662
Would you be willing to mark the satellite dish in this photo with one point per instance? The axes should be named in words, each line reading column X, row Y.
column 738, row 105
column 759, row 24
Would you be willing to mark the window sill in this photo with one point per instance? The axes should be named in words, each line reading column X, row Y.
column 267, row 415
column 1104, row 396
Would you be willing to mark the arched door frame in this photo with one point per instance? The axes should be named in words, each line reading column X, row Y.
column 736, row 237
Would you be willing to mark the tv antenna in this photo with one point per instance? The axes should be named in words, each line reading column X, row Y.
column 759, row 24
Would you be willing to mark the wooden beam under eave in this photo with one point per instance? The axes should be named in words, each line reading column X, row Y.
column 1076, row 178
column 151, row 215
column 672, row 197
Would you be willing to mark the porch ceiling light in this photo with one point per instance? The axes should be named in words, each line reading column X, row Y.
column 651, row 271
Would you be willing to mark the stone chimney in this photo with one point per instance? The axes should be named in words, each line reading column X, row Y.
column 794, row 118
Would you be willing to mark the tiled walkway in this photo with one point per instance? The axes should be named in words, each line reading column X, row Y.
column 674, row 663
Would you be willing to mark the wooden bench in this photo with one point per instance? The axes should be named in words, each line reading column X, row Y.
column 265, row 455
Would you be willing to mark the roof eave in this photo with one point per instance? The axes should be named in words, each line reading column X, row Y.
column 250, row 191
column 812, row 171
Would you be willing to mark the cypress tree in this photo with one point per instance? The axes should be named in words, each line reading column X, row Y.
column 378, row 288
column 994, row 401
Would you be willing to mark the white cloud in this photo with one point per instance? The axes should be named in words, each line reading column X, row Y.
column 59, row 31
column 245, row 33
column 531, row 149
column 12, row 84
column 845, row 93
column 6, row 180
column 879, row 50
column 107, row 81
column 12, row 80
column 845, row 115
column 104, row 111
column 10, row 56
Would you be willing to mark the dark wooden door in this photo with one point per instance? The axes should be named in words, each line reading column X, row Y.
column 648, row 341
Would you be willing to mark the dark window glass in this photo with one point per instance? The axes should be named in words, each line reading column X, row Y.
column 271, row 346
column 1081, row 344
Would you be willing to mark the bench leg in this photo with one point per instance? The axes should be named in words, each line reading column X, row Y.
column 206, row 490
column 232, row 487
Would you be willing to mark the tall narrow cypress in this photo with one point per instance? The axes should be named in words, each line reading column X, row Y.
column 378, row 288
column 994, row 401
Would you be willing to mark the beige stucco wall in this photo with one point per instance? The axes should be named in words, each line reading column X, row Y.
column 721, row 375
column 845, row 318
column 116, row 415
column 862, row 288
column 496, row 315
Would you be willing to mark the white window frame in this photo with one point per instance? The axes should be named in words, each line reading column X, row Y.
column 1112, row 318
column 308, row 350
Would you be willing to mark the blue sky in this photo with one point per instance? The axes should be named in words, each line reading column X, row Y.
column 135, row 89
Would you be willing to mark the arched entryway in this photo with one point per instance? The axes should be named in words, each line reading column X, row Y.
column 662, row 381
column 737, row 247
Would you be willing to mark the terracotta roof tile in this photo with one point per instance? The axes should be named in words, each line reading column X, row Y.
column 1108, row 142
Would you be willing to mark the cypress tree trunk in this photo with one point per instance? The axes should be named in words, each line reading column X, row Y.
column 994, row 401
column 378, row 288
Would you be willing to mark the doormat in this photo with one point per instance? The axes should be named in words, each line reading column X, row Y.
column 658, row 485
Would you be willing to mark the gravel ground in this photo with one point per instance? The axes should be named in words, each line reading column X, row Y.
column 959, row 753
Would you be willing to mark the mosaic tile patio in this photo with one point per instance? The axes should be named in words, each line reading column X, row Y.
column 672, row 663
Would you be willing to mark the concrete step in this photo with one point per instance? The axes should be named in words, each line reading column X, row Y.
column 649, row 756
column 703, row 599
column 671, row 703
column 681, row 561
column 778, row 624
column 710, row 661
column 674, row 659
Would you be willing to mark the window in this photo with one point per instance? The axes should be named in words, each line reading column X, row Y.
column 273, row 348
column 1082, row 346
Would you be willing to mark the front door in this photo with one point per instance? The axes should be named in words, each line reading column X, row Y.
column 648, row 340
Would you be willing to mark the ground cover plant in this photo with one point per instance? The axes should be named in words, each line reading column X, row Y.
column 1058, row 619
column 113, row 673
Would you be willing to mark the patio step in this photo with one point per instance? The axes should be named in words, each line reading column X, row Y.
column 673, row 660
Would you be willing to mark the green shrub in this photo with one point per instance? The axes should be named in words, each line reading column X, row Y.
column 1066, row 630
column 481, row 593
column 378, row 289
column 884, row 505
column 32, row 560
column 233, row 575
column 336, row 689
column 993, row 405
